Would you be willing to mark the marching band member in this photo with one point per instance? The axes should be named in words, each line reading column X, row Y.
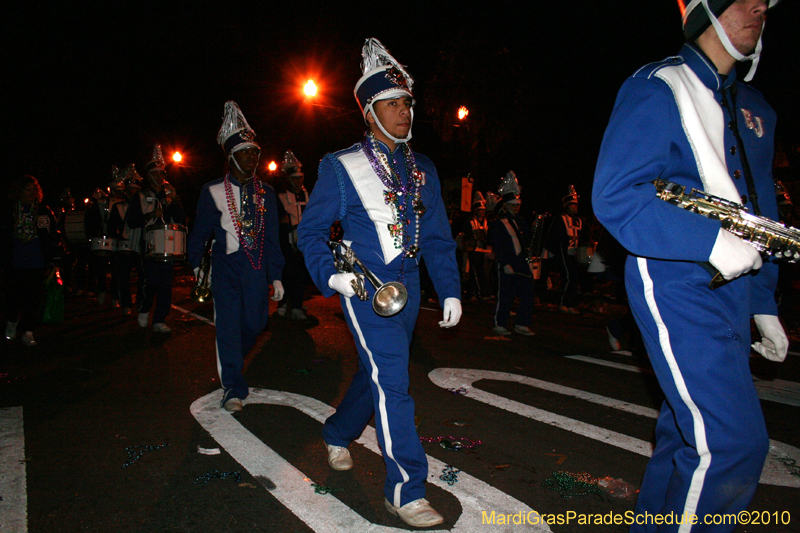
column 688, row 120
column 240, row 213
column 475, row 243
column 294, row 198
column 158, row 205
column 562, row 243
column 509, row 235
column 388, row 200
column 97, row 217
column 126, row 256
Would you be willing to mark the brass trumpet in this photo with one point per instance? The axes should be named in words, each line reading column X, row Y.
column 202, row 292
column 389, row 299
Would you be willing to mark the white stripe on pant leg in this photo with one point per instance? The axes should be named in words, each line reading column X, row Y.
column 216, row 347
column 698, row 478
column 387, row 437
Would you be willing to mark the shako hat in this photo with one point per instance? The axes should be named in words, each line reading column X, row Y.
column 157, row 162
column 235, row 133
column 509, row 188
column 384, row 78
column 478, row 201
column 291, row 165
column 571, row 197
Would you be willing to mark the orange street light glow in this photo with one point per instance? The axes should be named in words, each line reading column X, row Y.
column 177, row 157
column 310, row 88
column 272, row 166
column 462, row 112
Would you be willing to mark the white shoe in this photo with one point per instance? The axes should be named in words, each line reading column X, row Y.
column 418, row 513
column 281, row 310
column 28, row 340
column 142, row 319
column 161, row 328
column 500, row 330
column 234, row 405
column 298, row 314
column 524, row 330
column 11, row 330
column 613, row 341
column 339, row 458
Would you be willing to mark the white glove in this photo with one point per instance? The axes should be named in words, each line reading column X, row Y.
column 508, row 270
column 341, row 283
column 196, row 271
column 732, row 256
column 452, row 312
column 277, row 290
column 774, row 344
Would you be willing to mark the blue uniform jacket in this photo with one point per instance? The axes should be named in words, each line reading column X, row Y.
column 213, row 218
column 653, row 133
column 329, row 203
column 503, row 245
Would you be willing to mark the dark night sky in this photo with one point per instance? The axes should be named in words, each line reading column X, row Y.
column 97, row 86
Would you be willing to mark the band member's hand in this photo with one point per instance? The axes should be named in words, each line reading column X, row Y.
column 452, row 312
column 732, row 256
column 774, row 345
column 342, row 283
column 196, row 271
column 508, row 270
column 277, row 290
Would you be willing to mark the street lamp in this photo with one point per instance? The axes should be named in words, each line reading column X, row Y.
column 273, row 166
column 462, row 112
column 177, row 157
column 310, row 88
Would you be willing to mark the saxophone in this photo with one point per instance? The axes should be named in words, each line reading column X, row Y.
column 534, row 255
column 767, row 236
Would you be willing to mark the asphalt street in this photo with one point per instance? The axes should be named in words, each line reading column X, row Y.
column 108, row 427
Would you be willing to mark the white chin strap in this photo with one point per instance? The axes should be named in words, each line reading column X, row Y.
column 726, row 42
column 389, row 135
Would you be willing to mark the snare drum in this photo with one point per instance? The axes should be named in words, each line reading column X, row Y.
column 75, row 228
column 123, row 246
column 166, row 243
column 102, row 246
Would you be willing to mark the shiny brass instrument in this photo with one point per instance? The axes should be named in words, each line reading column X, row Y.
column 202, row 291
column 765, row 235
column 389, row 299
column 535, row 246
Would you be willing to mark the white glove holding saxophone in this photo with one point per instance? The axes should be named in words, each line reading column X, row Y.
column 452, row 312
column 341, row 283
column 774, row 345
column 277, row 290
column 732, row 256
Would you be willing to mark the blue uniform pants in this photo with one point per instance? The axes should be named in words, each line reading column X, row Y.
column 711, row 440
column 380, row 387
column 509, row 286
column 241, row 311
column 157, row 286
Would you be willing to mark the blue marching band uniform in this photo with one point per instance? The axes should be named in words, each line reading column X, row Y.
column 676, row 120
column 350, row 191
column 240, row 271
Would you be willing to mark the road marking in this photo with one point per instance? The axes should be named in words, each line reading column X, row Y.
column 779, row 469
column 198, row 317
column 777, row 390
column 13, row 483
column 326, row 513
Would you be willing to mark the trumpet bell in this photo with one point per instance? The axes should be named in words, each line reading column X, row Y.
column 390, row 299
column 201, row 294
